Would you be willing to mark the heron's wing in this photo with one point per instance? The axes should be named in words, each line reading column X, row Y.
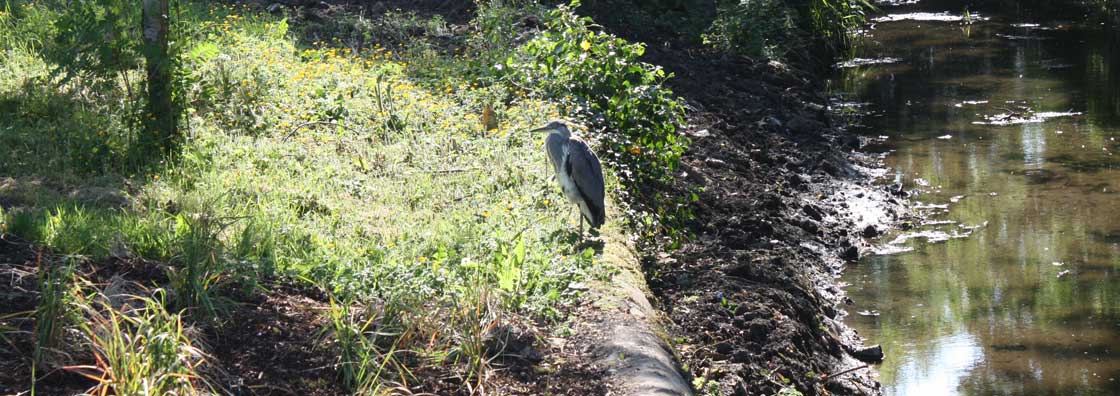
column 587, row 174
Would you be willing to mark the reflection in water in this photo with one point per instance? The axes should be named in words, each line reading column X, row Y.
column 1029, row 303
column 942, row 368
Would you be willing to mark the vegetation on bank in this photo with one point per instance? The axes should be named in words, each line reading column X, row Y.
column 400, row 178
column 385, row 161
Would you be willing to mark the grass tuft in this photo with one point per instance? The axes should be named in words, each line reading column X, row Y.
column 138, row 348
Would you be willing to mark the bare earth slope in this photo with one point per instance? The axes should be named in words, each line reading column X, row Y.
column 784, row 202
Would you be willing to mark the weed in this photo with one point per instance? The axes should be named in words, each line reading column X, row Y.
column 773, row 29
column 199, row 265
column 765, row 28
column 474, row 317
column 53, row 313
column 361, row 341
column 139, row 348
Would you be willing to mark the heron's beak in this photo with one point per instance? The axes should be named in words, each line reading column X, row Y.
column 544, row 129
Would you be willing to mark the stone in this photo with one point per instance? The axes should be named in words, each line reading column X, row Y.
column 871, row 354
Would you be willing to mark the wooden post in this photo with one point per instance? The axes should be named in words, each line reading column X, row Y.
column 160, row 121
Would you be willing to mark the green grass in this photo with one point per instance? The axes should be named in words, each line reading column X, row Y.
column 369, row 174
column 138, row 349
column 53, row 313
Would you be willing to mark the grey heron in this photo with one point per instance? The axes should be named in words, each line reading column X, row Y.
column 578, row 171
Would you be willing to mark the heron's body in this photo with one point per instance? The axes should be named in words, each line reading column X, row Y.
column 578, row 171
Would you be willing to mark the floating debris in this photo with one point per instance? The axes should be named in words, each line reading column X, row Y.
column 945, row 137
column 938, row 222
column 857, row 62
column 922, row 206
column 929, row 17
column 1020, row 37
column 886, row 250
column 970, row 103
column 1034, row 26
column 973, row 227
column 1013, row 118
column 869, row 312
column 956, row 198
column 1053, row 64
column 1057, row 263
column 931, row 236
column 850, row 105
column 892, row 3
column 1063, row 273
column 921, row 182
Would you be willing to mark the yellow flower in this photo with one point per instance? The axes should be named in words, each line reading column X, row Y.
column 586, row 45
column 635, row 150
column 423, row 259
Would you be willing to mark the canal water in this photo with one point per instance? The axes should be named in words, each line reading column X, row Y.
column 1004, row 117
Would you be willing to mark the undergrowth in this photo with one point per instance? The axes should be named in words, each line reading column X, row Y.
column 353, row 156
column 780, row 29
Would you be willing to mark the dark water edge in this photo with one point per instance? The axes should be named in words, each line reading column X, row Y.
column 1008, row 126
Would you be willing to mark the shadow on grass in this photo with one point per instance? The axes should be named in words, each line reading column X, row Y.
column 362, row 25
column 72, row 145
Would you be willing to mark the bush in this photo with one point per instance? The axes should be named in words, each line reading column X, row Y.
column 774, row 28
column 630, row 113
column 765, row 28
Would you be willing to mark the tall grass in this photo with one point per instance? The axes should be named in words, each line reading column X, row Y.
column 367, row 347
column 199, row 266
column 53, row 313
column 138, row 348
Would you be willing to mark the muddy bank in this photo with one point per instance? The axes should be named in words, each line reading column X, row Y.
column 785, row 202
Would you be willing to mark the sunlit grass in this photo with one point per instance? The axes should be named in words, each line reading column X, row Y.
column 358, row 172
column 138, row 349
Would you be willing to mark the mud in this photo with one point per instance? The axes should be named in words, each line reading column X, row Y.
column 785, row 202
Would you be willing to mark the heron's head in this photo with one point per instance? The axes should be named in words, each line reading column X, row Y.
column 555, row 126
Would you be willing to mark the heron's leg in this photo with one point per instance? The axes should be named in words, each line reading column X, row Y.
column 581, row 227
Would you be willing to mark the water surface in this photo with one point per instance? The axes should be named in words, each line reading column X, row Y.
column 1010, row 126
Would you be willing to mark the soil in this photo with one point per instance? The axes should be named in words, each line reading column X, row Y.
column 268, row 347
column 785, row 202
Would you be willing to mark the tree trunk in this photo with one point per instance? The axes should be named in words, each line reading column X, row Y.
column 160, row 121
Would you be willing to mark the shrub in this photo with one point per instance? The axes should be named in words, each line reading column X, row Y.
column 774, row 28
column 764, row 28
column 630, row 113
